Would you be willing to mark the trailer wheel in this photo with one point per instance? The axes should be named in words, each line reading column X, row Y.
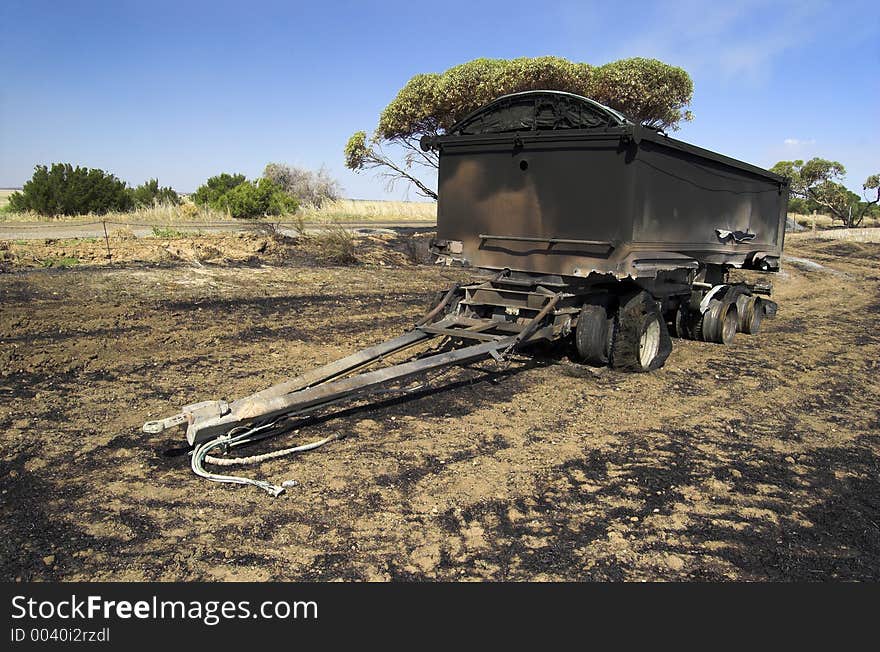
column 683, row 322
column 719, row 323
column 749, row 312
column 592, row 336
column 641, row 339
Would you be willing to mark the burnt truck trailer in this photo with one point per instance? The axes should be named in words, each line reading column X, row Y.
column 581, row 225
column 638, row 230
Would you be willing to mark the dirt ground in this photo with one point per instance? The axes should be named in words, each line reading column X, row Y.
column 760, row 461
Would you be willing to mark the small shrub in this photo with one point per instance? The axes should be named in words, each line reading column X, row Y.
column 312, row 189
column 245, row 199
column 212, row 190
column 299, row 225
column 253, row 199
column 68, row 190
column 336, row 245
column 189, row 211
column 165, row 232
column 151, row 194
column 62, row 262
column 122, row 233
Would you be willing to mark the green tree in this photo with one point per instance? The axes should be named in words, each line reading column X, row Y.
column 208, row 193
column 239, row 197
column 67, row 190
column 650, row 91
column 818, row 180
column 150, row 193
column 798, row 205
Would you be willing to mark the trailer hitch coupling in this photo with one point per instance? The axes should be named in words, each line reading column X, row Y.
column 189, row 414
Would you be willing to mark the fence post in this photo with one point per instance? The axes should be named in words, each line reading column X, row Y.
column 107, row 239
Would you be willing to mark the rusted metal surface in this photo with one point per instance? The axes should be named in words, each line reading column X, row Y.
column 614, row 199
column 343, row 366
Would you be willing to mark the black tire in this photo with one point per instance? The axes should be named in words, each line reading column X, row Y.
column 592, row 336
column 639, row 321
column 683, row 322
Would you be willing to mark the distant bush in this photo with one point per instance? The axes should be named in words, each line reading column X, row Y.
column 209, row 193
column 310, row 188
column 239, row 197
column 67, row 190
column 150, row 194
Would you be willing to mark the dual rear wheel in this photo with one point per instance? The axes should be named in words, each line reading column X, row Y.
column 632, row 338
column 630, row 333
column 736, row 312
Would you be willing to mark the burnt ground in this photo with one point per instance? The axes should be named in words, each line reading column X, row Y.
column 760, row 461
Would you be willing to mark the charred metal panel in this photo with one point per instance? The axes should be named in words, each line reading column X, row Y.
column 532, row 194
column 702, row 207
column 611, row 198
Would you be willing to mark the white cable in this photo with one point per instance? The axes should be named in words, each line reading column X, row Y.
column 197, row 460
column 255, row 459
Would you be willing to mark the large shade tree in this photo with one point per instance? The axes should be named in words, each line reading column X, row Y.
column 649, row 91
column 818, row 180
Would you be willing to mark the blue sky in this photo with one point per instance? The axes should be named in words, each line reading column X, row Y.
column 184, row 90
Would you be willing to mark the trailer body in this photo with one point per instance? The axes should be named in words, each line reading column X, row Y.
column 544, row 182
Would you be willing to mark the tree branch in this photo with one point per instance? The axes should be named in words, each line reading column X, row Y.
column 377, row 158
column 867, row 205
column 816, row 198
column 429, row 159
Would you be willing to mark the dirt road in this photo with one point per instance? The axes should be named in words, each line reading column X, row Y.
column 757, row 461
column 67, row 230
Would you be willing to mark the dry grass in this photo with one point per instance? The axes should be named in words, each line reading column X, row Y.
column 342, row 210
column 163, row 214
column 871, row 234
column 825, row 221
column 336, row 245
column 363, row 210
column 334, row 212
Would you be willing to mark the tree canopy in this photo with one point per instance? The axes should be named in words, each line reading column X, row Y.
column 150, row 193
column 647, row 90
column 67, row 190
column 818, row 180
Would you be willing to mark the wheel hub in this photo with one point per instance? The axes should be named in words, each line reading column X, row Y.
column 649, row 343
